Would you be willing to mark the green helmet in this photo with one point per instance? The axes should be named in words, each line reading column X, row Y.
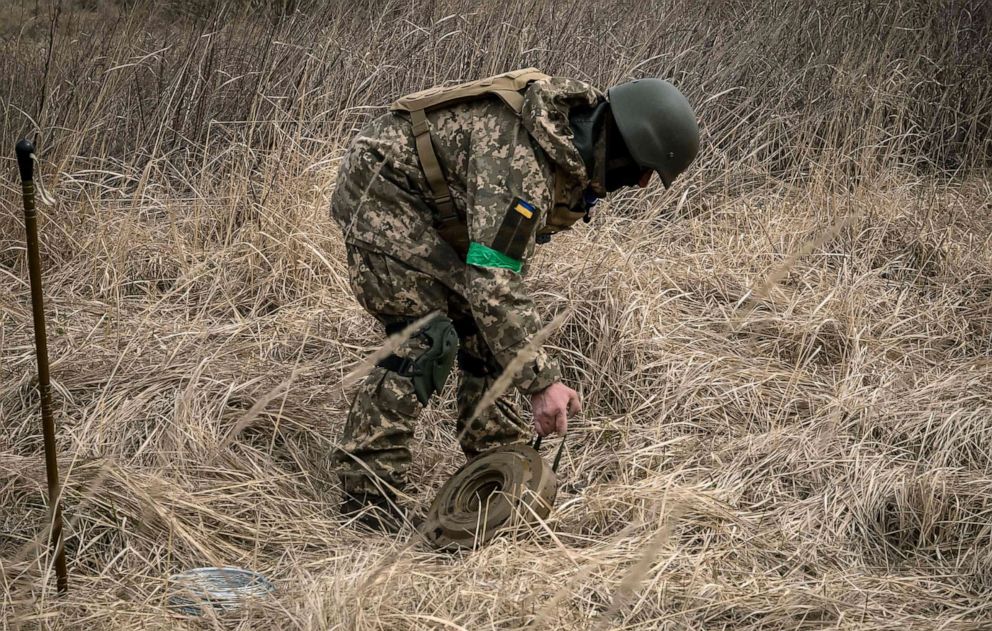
column 657, row 124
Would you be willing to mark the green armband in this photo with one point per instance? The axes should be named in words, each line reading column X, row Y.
column 482, row 256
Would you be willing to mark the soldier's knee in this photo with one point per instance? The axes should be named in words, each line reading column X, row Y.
column 430, row 369
column 477, row 366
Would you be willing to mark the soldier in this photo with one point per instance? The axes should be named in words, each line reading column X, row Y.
column 441, row 202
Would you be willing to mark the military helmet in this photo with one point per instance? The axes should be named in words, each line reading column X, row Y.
column 657, row 124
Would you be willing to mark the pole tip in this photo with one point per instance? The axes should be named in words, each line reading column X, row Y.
column 24, row 150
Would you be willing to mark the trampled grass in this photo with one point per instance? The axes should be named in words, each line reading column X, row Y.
column 785, row 359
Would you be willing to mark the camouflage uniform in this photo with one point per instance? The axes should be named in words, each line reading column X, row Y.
column 401, row 269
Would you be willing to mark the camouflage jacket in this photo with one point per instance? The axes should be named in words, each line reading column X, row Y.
column 493, row 160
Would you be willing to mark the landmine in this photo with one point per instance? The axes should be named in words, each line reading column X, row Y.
column 503, row 489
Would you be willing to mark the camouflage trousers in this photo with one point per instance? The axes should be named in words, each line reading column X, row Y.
column 374, row 451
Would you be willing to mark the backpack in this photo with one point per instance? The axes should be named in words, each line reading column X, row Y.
column 508, row 87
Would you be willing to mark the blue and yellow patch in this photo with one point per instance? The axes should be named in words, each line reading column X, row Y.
column 524, row 208
column 514, row 234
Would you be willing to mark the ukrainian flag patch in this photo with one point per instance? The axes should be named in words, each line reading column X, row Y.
column 515, row 232
column 524, row 209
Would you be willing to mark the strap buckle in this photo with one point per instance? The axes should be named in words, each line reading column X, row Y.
column 403, row 366
column 420, row 126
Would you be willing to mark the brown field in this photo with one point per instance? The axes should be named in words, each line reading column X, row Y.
column 785, row 359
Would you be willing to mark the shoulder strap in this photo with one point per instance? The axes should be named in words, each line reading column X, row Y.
column 508, row 87
column 450, row 226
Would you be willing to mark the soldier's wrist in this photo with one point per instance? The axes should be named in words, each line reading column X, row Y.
column 536, row 378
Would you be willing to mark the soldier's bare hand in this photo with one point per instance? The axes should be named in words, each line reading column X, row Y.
column 551, row 408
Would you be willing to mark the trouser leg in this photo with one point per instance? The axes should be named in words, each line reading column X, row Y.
column 500, row 423
column 374, row 448
column 374, row 453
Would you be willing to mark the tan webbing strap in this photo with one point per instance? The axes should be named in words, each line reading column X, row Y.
column 430, row 164
column 500, row 85
column 513, row 98
column 451, row 227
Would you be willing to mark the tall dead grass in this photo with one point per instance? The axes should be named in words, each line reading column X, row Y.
column 811, row 452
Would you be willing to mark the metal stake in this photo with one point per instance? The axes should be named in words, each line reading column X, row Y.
column 25, row 155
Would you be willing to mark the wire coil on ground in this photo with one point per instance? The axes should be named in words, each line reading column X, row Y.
column 220, row 588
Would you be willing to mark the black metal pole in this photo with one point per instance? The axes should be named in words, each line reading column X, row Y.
column 24, row 152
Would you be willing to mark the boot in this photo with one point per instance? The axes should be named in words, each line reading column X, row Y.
column 376, row 512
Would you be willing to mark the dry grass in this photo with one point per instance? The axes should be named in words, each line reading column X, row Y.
column 813, row 452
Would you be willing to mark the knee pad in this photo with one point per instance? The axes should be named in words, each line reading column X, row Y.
column 429, row 371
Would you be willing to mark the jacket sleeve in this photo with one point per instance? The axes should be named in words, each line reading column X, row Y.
column 508, row 190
